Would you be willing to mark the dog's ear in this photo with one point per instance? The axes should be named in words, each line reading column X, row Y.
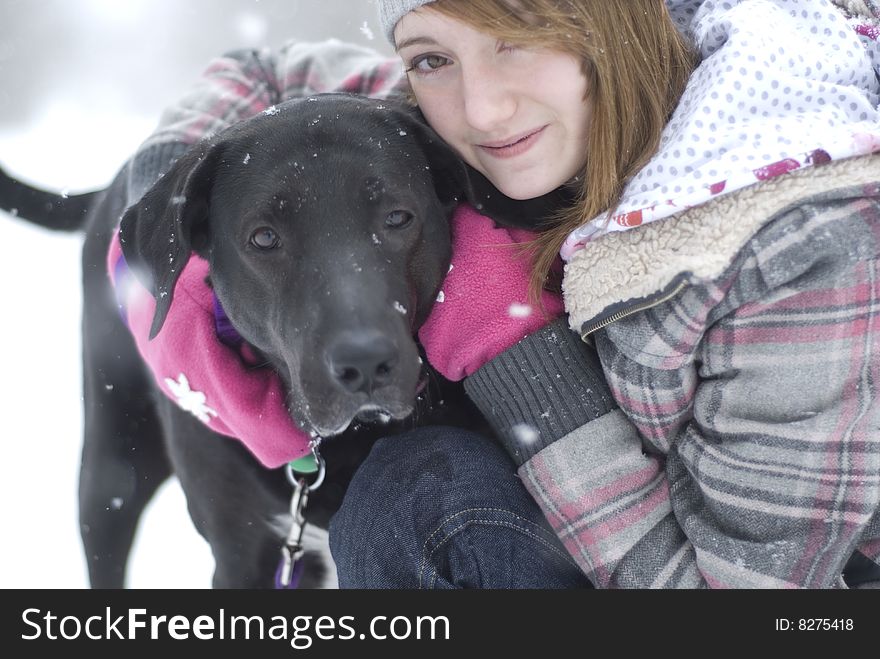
column 158, row 233
column 456, row 181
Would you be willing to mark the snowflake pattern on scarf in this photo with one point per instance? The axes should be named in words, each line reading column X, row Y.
column 194, row 402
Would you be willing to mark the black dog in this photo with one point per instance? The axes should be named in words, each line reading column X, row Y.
column 325, row 224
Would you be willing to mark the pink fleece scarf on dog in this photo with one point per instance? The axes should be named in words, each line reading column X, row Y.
column 217, row 384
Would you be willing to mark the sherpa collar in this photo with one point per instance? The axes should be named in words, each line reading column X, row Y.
column 622, row 269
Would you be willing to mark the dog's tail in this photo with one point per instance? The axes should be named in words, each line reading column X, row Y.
column 58, row 212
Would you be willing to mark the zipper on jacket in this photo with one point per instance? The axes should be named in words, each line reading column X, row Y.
column 618, row 315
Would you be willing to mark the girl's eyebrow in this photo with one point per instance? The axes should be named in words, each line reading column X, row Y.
column 416, row 41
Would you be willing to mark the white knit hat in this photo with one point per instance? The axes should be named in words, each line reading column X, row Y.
column 391, row 11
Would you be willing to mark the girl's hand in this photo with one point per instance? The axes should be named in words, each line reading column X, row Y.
column 483, row 308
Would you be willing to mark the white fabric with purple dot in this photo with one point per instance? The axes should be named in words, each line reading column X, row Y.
column 783, row 84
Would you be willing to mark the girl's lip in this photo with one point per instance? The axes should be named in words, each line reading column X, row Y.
column 509, row 148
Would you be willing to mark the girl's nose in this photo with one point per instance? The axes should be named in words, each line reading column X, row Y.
column 489, row 98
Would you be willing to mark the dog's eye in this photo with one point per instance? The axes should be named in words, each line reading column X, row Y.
column 398, row 219
column 265, row 238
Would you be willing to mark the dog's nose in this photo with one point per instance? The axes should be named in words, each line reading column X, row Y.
column 362, row 361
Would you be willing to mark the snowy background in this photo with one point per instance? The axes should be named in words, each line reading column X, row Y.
column 82, row 83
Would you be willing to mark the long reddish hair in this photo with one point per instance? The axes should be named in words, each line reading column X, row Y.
column 637, row 65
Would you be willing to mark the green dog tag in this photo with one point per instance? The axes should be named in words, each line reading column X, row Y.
column 305, row 465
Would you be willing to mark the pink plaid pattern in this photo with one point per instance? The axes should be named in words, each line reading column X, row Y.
column 747, row 449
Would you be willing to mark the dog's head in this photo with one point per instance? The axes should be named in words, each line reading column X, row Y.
column 325, row 224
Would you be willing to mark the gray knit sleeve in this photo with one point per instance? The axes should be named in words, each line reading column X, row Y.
column 546, row 386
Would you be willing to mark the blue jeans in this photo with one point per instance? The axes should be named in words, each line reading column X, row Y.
column 442, row 507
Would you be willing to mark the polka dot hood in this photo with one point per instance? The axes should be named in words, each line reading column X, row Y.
column 782, row 85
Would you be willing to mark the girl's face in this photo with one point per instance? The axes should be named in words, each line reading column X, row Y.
column 518, row 115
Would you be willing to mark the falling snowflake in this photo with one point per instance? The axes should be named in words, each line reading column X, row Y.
column 399, row 308
column 367, row 32
column 272, row 110
column 524, row 433
column 193, row 402
column 519, row 310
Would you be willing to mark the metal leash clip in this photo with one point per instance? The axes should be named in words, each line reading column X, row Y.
column 292, row 550
column 290, row 569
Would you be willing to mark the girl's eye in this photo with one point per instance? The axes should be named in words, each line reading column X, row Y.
column 428, row 63
column 398, row 219
column 265, row 238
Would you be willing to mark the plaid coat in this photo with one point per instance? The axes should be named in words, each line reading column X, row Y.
column 745, row 361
